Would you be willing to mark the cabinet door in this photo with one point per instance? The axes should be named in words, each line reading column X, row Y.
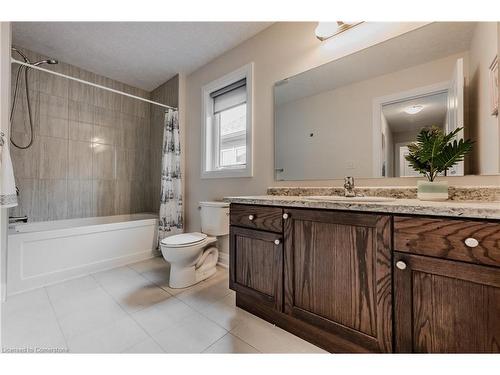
column 338, row 275
column 256, row 265
column 444, row 306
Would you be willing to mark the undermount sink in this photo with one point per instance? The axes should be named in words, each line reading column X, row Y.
column 350, row 199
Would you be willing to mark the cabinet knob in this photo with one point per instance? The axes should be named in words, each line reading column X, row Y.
column 285, row 216
column 401, row 265
column 277, row 242
column 471, row 242
column 251, row 217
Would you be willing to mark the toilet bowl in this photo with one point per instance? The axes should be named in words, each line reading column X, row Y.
column 193, row 256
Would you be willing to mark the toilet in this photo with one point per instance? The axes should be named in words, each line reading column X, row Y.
column 193, row 256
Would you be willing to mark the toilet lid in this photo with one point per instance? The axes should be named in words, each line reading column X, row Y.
column 184, row 239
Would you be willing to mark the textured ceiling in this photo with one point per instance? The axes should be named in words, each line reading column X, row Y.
column 141, row 54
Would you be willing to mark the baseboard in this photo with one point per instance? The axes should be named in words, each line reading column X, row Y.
column 223, row 260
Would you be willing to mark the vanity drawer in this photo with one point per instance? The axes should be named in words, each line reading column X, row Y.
column 464, row 240
column 257, row 217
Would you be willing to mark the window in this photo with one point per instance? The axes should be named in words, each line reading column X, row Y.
column 227, row 125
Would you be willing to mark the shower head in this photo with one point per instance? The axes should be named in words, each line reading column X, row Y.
column 48, row 61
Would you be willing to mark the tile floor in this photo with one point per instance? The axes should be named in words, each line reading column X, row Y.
column 131, row 309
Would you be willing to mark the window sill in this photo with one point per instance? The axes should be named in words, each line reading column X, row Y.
column 227, row 173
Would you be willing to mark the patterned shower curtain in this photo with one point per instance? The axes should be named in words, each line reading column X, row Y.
column 171, row 212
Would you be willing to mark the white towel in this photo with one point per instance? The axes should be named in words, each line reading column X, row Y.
column 8, row 195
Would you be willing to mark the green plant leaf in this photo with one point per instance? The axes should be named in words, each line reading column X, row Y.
column 435, row 152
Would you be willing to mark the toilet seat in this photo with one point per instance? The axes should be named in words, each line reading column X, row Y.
column 184, row 240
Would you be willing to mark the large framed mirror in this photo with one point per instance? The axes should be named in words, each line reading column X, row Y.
column 356, row 115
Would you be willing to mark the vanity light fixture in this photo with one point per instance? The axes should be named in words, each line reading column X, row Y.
column 414, row 109
column 326, row 30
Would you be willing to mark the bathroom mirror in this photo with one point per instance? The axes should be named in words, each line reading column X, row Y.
column 356, row 115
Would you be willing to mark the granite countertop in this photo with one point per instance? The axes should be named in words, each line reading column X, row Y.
column 466, row 209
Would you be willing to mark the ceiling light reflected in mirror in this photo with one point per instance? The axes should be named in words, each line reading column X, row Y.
column 414, row 109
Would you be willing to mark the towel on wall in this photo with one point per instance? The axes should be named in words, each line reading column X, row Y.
column 8, row 195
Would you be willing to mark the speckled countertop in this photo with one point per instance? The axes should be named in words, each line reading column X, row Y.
column 466, row 209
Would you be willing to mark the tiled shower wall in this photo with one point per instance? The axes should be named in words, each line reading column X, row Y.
column 91, row 153
column 167, row 93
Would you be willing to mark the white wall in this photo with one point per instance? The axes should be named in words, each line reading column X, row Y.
column 280, row 51
column 485, row 128
column 5, row 38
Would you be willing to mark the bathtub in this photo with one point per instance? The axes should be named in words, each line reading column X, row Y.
column 43, row 253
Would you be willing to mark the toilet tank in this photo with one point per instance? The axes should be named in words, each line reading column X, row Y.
column 214, row 218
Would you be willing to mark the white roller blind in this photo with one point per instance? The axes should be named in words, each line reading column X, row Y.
column 230, row 96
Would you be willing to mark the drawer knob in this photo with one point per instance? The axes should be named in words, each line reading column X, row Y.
column 471, row 242
column 285, row 216
column 401, row 265
column 251, row 217
column 277, row 242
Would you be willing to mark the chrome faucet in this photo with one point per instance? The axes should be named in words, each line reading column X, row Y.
column 349, row 187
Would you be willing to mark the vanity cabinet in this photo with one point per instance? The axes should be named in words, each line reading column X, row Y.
column 446, row 285
column 444, row 306
column 368, row 282
column 337, row 274
column 256, row 265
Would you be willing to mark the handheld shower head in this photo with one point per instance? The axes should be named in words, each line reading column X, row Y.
column 48, row 61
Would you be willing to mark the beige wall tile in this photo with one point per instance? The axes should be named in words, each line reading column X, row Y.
column 80, row 131
column 81, row 112
column 25, row 162
column 106, row 117
column 52, row 84
column 53, row 158
column 80, row 199
column 103, row 197
column 88, row 158
column 80, row 160
column 53, row 106
column 51, row 200
column 54, row 127
column 103, row 162
column 104, row 135
column 80, row 92
column 28, row 188
column 123, row 197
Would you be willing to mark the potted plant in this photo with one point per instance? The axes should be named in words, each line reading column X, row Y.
column 433, row 153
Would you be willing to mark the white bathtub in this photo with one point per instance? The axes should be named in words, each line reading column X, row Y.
column 44, row 253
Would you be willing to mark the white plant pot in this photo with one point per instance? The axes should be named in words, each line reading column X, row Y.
column 432, row 191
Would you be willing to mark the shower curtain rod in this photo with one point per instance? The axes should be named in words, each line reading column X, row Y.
column 91, row 84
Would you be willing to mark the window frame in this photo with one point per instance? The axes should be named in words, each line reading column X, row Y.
column 208, row 128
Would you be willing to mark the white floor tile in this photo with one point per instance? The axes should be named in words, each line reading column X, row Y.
column 118, row 276
column 191, row 335
column 137, row 297
column 115, row 310
column 270, row 339
column 113, row 338
column 202, row 295
column 32, row 300
column 156, row 263
column 68, row 288
column 30, row 326
column 225, row 315
column 230, row 344
column 86, row 311
column 163, row 315
column 145, row 347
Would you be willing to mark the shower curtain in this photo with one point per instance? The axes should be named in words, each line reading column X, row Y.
column 171, row 211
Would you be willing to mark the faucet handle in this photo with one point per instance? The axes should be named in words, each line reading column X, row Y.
column 348, row 182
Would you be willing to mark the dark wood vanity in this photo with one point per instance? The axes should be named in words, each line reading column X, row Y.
column 369, row 282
